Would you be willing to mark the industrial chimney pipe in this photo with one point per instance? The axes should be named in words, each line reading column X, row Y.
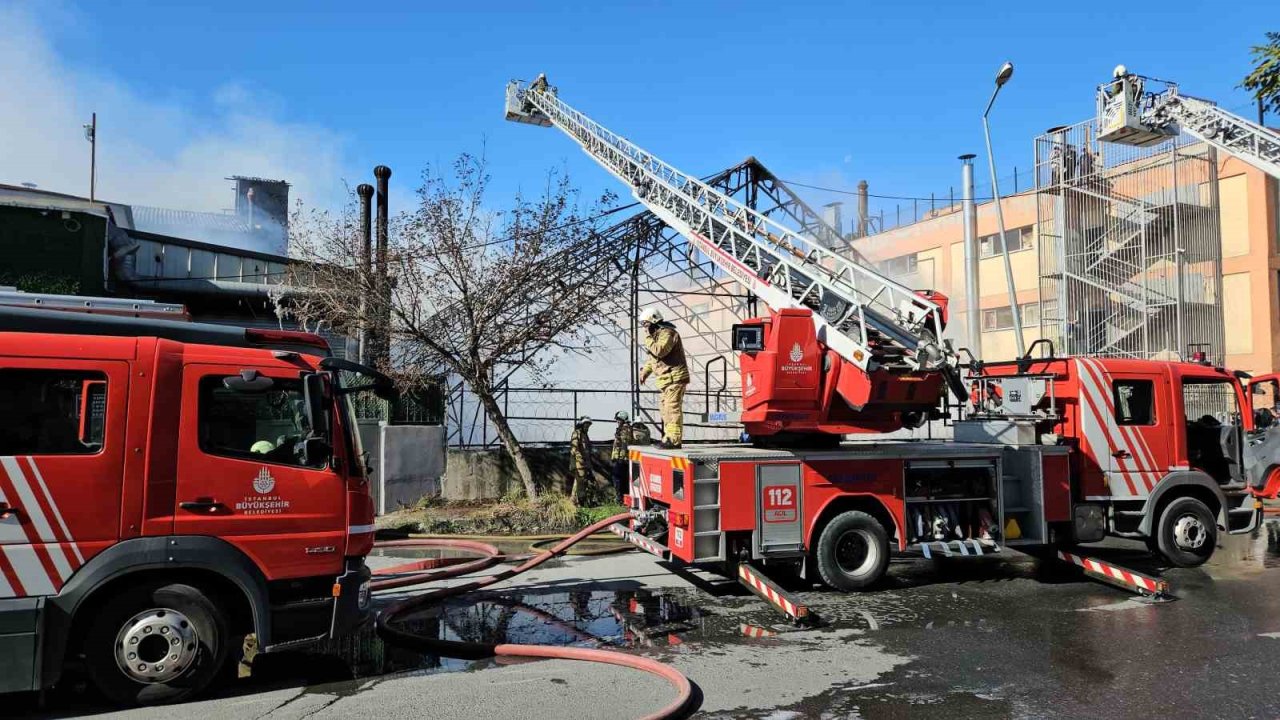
column 365, row 191
column 382, row 347
column 972, row 291
column 862, row 208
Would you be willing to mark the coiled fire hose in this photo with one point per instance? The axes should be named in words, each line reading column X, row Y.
column 422, row 571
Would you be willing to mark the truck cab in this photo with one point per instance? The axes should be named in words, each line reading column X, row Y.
column 168, row 488
column 1167, row 452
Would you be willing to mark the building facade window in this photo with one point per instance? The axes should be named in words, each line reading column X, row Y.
column 901, row 265
column 1001, row 318
column 1017, row 239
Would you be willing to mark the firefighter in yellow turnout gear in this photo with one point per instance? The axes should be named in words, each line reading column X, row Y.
column 580, row 456
column 618, row 454
column 667, row 363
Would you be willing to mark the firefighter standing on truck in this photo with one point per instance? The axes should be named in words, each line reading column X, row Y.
column 666, row 361
column 618, row 454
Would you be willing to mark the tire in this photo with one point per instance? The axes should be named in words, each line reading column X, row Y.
column 1186, row 532
column 139, row 627
column 853, row 551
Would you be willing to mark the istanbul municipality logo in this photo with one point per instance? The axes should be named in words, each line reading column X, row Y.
column 264, row 483
column 796, row 355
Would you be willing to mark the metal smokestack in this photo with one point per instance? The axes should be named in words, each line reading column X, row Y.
column 862, row 208
column 834, row 218
column 365, row 191
column 382, row 347
column 383, row 174
column 973, row 314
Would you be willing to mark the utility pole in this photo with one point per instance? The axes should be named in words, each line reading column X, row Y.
column 972, row 292
column 91, row 134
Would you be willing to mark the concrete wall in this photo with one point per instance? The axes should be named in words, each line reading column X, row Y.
column 489, row 474
column 411, row 464
column 408, row 462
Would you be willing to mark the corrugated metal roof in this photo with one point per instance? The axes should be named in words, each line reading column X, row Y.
column 164, row 221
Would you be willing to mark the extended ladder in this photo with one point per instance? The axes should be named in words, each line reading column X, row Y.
column 865, row 317
column 1130, row 115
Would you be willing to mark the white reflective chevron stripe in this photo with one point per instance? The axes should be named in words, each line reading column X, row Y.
column 1091, row 423
column 1109, row 437
column 6, row 590
column 1133, row 439
column 32, row 508
column 26, row 564
column 57, row 514
column 11, row 531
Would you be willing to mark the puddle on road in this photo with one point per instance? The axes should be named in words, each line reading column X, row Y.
column 626, row 619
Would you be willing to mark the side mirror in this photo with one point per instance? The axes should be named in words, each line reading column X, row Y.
column 1263, row 419
column 313, row 451
column 315, row 406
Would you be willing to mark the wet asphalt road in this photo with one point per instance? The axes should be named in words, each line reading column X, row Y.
column 1006, row 637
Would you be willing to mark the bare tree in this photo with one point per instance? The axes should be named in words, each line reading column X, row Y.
column 475, row 292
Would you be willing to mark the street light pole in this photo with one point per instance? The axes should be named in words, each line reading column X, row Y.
column 1002, row 77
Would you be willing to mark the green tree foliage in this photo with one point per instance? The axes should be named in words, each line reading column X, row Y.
column 1264, row 81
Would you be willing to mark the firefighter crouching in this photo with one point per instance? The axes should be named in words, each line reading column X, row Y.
column 667, row 363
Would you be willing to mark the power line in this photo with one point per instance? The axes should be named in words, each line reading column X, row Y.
column 878, row 197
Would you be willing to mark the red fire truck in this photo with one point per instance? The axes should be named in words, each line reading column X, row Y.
column 1049, row 451
column 168, row 487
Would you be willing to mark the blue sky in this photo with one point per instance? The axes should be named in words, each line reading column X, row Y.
column 824, row 93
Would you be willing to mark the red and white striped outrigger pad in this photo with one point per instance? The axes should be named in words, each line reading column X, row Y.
column 767, row 590
column 1136, row 581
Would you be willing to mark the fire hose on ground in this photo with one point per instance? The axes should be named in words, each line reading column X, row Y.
column 434, row 569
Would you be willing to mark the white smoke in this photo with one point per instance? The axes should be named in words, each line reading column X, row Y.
column 151, row 151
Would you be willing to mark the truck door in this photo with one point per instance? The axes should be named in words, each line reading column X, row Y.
column 1139, row 431
column 240, row 476
column 1262, row 449
column 62, row 427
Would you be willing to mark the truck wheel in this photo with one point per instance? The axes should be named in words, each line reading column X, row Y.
column 853, row 551
column 156, row 643
column 1186, row 532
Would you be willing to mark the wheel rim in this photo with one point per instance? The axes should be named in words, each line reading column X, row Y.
column 1189, row 533
column 156, row 646
column 856, row 552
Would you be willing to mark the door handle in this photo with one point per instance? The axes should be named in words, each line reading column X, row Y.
column 7, row 511
column 205, row 505
column 1120, row 454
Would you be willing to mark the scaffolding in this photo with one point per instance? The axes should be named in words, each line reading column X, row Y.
column 667, row 272
column 1129, row 246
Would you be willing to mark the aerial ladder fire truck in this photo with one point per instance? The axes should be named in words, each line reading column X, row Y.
column 1048, row 452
